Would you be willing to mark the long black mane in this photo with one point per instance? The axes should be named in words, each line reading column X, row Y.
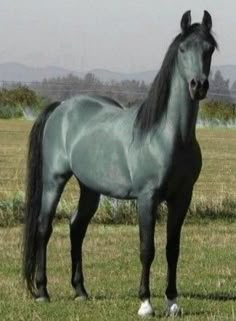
column 152, row 109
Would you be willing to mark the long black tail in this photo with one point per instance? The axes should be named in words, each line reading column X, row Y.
column 33, row 196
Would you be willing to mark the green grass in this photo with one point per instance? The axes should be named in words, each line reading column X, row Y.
column 207, row 275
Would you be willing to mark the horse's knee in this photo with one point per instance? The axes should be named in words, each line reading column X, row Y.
column 147, row 254
column 44, row 228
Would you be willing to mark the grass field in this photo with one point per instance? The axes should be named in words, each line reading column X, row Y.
column 207, row 275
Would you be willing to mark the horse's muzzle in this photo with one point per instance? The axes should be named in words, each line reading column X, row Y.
column 198, row 88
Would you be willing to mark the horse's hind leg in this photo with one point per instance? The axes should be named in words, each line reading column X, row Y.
column 52, row 189
column 88, row 204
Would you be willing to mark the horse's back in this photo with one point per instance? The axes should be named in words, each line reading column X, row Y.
column 73, row 115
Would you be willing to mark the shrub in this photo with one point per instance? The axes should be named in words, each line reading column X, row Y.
column 217, row 110
column 13, row 101
column 7, row 111
column 11, row 210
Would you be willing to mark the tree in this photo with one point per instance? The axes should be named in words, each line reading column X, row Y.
column 219, row 88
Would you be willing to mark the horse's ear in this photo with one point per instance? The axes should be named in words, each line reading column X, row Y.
column 186, row 21
column 207, row 21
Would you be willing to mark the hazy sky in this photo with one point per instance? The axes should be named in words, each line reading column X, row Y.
column 120, row 35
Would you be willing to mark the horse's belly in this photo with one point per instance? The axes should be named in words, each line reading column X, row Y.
column 100, row 163
column 110, row 181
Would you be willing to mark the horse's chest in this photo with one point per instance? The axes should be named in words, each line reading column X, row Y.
column 184, row 170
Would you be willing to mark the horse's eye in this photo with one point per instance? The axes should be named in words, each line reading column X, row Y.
column 181, row 48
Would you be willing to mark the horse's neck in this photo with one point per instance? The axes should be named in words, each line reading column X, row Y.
column 181, row 115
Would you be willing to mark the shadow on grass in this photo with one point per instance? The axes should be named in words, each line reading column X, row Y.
column 217, row 296
column 160, row 310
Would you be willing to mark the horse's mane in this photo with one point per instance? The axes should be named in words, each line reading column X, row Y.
column 152, row 109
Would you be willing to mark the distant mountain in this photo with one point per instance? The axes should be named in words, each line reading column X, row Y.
column 23, row 73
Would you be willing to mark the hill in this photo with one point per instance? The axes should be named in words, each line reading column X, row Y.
column 23, row 73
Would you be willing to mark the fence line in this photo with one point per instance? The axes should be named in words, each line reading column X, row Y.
column 38, row 86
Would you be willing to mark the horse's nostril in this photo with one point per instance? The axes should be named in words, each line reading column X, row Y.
column 199, row 84
column 193, row 83
column 205, row 84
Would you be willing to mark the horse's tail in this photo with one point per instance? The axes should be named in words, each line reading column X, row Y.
column 33, row 196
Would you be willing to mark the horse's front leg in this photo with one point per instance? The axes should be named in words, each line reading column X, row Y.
column 177, row 209
column 147, row 218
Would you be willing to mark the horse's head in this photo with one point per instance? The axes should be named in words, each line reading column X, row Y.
column 194, row 54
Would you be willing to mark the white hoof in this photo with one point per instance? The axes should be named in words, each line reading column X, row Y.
column 42, row 299
column 80, row 298
column 145, row 309
column 172, row 308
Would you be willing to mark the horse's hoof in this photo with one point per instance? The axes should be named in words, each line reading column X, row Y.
column 80, row 297
column 42, row 299
column 172, row 309
column 146, row 309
